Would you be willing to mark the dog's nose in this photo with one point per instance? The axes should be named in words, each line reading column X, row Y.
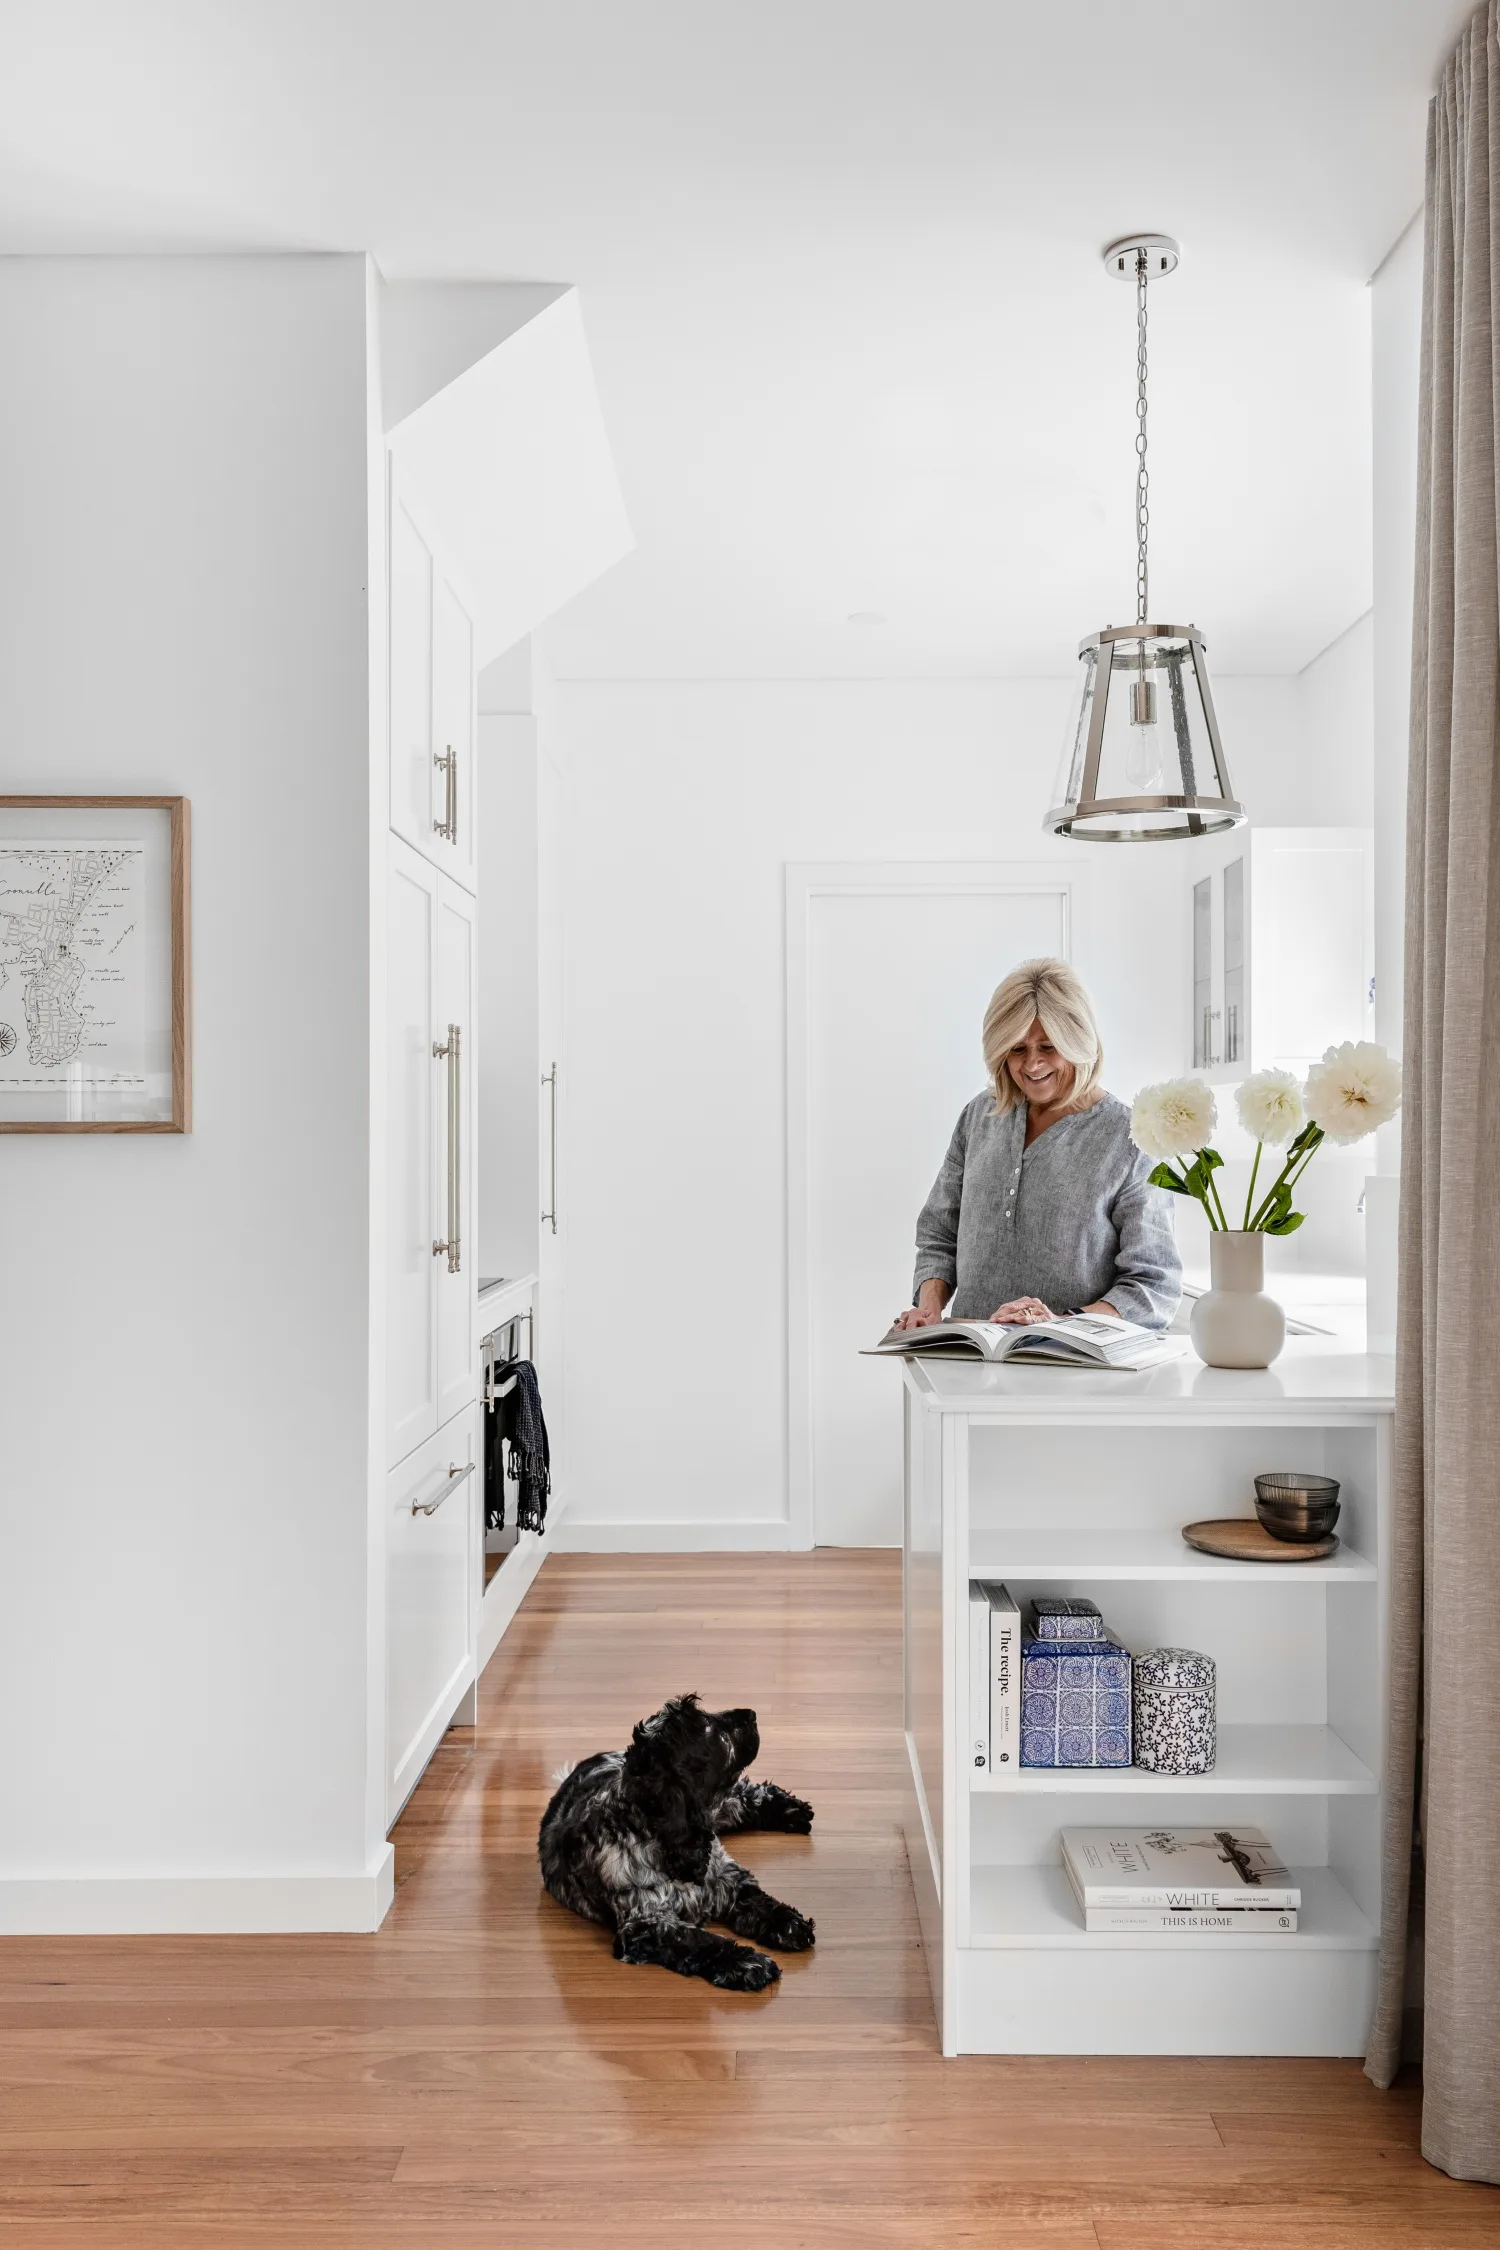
column 742, row 1725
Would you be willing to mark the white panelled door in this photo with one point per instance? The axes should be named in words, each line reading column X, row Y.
column 889, row 973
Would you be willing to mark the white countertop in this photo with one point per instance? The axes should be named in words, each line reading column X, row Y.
column 1315, row 1376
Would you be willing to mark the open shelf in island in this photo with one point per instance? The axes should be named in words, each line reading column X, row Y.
column 1252, row 1761
column 1029, row 1552
column 1035, row 1906
column 1060, row 1489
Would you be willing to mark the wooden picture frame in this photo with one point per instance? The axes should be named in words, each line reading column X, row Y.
column 95, row 997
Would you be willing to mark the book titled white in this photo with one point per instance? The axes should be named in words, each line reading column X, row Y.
column 1002, row 1673
column 1231, row 1921
column 1069, row 1340
column 1184, row 1870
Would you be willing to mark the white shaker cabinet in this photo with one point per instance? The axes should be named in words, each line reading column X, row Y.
column 432, row 700
column 1280, row 948
column 454, row 727
column 430, row 1251
column 432, row 1566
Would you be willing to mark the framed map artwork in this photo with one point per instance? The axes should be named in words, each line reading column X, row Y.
column 95, row 1021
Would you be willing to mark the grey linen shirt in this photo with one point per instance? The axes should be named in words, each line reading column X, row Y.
column 1071, row 1220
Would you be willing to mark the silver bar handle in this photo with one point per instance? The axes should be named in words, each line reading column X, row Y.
column 549, row 1218
column 446, row 761
column 451, row 1050
column 457, row 1472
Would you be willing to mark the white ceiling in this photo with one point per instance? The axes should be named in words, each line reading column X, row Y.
column 839, row 269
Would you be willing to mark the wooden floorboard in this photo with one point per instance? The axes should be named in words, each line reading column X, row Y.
column 481, row 2072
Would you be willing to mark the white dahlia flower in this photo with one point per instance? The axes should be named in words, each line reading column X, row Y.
column 1270, row 1107
column 1354, row 1089
column 1174, row 1118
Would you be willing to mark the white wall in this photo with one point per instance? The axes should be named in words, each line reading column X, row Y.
column 684, row 803
column 183, row 572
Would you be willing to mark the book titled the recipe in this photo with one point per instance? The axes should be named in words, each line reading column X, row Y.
column 994, row 1676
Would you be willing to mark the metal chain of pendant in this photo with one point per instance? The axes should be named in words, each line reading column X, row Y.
column 1142, row 479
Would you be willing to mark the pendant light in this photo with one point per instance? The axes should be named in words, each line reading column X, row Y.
column 1143, row 762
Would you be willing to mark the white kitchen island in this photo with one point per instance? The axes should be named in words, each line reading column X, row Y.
column 1062, row 1481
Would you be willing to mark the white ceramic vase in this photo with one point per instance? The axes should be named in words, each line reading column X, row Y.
column 1236, row 1324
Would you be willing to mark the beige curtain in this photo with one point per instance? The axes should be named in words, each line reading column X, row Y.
column 1444, row 1744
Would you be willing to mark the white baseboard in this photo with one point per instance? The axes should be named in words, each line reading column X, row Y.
column 197, row 1905
column 582, row 1538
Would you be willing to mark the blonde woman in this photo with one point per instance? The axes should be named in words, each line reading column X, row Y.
column 1043, row 1204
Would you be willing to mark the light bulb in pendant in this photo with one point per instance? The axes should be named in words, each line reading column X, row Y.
column 1143, row 756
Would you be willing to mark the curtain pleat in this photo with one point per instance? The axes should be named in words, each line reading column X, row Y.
column 1443, row 1741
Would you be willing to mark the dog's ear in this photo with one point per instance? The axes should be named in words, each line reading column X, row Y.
column 667, row 1786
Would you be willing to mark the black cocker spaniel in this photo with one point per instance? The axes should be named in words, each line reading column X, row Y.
column 631, row 1839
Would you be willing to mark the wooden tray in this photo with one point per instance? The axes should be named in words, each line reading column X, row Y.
column 1246, row 1539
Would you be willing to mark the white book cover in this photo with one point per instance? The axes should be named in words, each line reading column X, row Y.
column 979, row 1675
column 1181, row 1868
column 1004, row 1675
column 1204, row 1921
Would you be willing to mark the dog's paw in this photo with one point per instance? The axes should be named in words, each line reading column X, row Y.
column 787, row 1931
column 794, row 1817
column 747, row 1972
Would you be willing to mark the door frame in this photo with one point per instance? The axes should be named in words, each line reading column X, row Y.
column 806, row 882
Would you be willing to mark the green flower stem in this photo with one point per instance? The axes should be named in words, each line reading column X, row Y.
column 1291, row 1173
column 1213, row 1190
column 1250, row 1190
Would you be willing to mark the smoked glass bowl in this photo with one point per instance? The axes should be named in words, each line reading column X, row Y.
column 1299, row 1509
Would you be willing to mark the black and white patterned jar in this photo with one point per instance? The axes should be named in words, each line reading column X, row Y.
column 1175, row 1726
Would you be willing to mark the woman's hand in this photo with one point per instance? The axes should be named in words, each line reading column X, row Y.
column 928, row 1309
column 1020, row 1311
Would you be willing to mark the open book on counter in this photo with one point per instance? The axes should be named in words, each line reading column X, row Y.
column 1069, row 1340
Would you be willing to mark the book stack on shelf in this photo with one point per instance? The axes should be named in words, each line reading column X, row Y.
column 1051, row 1691
column 1227, row 1882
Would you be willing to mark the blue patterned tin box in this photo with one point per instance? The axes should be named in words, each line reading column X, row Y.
column 1055, row 1619
column 1075, row 1703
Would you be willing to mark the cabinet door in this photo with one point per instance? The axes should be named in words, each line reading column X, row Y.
column 431, row 1503
column 412, row 771
column 1203, row 971
column 1219, row 982
column 453, row 730
column 411, row 1116
column 454, row 1270
column 1235, row 1045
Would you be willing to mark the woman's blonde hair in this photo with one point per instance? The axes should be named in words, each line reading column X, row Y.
column 1052, row 994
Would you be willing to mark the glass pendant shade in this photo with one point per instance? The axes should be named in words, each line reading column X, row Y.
column 1142, row 761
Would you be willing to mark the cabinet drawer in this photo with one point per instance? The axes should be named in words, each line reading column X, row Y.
column 432, row 1501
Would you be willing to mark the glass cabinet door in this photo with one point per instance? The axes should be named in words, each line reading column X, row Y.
column 1203, row 972
column 1235, row 1028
